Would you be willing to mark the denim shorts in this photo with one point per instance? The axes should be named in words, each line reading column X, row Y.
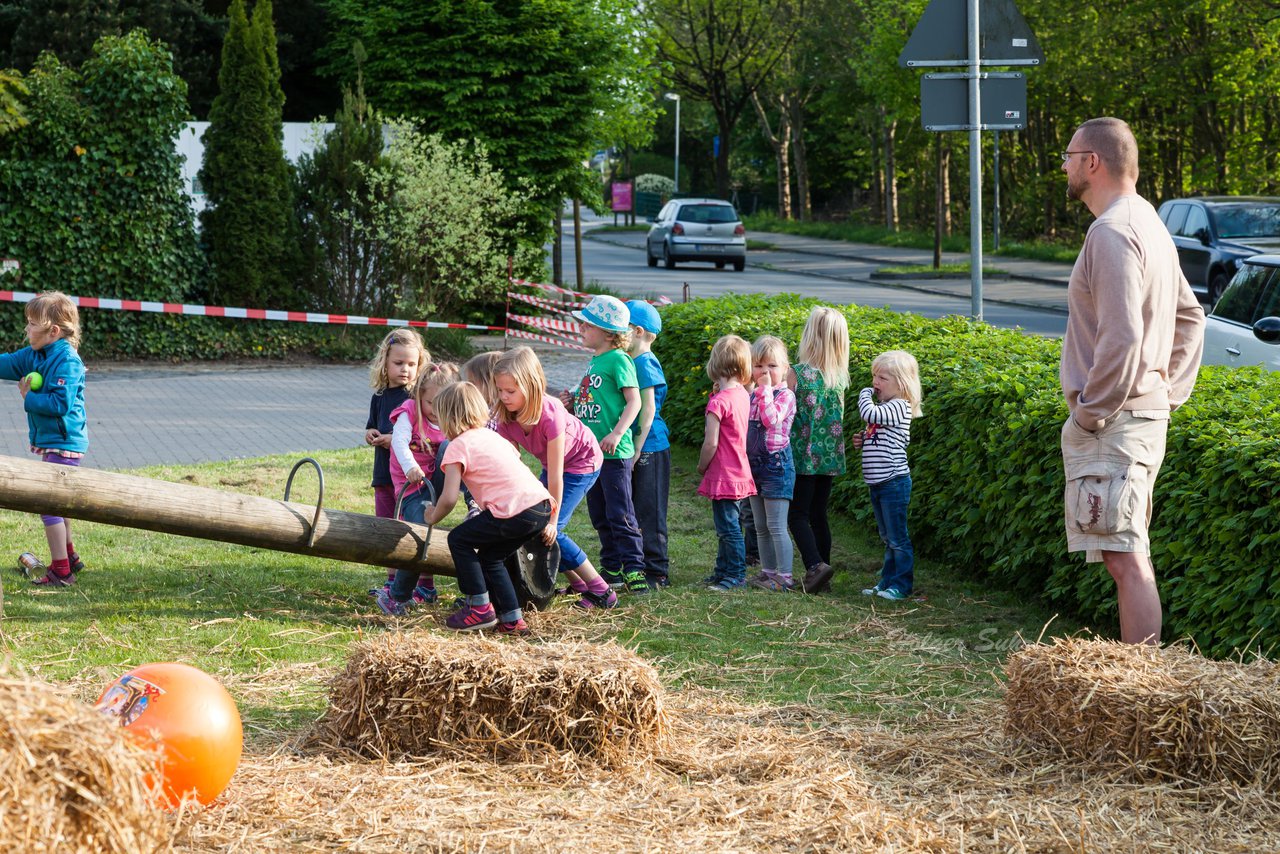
column 774, row 473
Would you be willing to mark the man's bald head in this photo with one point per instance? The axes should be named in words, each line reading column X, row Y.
column 1114, row 143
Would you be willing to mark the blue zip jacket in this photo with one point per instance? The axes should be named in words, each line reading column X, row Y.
column 55, row 413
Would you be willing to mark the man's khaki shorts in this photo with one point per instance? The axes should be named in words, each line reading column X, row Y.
column 1110, row 478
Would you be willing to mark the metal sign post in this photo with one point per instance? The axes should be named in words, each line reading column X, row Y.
column 975, row 167
column 995, row 33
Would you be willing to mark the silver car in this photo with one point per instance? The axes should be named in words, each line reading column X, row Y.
column 697, row 230
column 1244, row 326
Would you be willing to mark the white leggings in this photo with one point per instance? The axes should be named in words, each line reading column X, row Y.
column 771, row 533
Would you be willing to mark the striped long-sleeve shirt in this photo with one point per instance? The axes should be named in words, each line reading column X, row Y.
column 884, row 444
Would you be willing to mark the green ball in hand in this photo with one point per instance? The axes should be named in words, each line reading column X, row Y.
column 35, row 379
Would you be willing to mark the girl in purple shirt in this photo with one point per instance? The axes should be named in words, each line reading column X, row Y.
column 570, row 455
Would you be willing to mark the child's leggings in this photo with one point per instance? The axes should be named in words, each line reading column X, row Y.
column 808, row 518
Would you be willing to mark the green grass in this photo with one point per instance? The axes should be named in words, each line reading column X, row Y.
column 251, row 615
column 964, row 268
column 605, row 229
column 878, row 234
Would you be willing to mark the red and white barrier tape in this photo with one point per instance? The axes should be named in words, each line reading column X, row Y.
column 547, row 323
column 520, row 333
column 546, row 304
column 661, row 300
column 247, row 313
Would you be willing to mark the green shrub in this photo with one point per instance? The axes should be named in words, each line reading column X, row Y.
column 987, row 469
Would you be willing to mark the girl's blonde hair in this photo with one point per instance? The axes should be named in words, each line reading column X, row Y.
column 619, row 340
column 768, row 347
column 54, row 308
column 522, row 365
column 903, row 368
column 437, row 375
column 460, row 407
column 478, row 370
column 378, row 367
column 730, row 358
column 824, row 345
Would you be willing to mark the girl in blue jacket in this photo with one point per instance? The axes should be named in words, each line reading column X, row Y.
column 55, row 409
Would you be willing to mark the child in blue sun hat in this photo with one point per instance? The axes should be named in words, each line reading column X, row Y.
column 608, row 401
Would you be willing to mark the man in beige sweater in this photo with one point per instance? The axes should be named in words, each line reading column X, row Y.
column 1135, row 332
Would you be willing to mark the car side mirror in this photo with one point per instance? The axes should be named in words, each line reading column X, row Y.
column 1202, row 234
column 1267, row 329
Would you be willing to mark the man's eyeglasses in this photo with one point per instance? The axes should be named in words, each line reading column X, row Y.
column 1066, row 155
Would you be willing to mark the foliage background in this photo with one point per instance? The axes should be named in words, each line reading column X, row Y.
column 987, row 470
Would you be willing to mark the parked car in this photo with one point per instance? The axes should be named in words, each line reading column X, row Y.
column 697, row 230
column 1244, row 326
column 1215, row 233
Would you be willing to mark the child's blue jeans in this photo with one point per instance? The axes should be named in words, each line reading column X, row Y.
column 731, row 557
column 889, row 502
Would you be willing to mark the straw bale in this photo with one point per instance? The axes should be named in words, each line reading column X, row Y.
column 411, row 694
column 70, row 780
column 1165, row 713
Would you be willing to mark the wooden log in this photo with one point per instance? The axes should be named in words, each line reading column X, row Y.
column 194, row 511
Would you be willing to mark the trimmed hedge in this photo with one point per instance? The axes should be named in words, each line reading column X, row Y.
column 987, row 468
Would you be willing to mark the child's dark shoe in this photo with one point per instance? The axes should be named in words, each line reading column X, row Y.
column 389, row 605
column 636, row 583
column 77, row 565
column 597, row 601
column 817, row 578
column 470, row 618
column 425, row 595
column 54, row 579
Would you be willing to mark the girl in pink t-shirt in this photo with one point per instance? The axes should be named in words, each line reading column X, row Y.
column 726, row 475
column 415, row 440
column 514, row 507
column 569, row 453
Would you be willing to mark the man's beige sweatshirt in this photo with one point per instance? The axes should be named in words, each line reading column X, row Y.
column 1135, row 331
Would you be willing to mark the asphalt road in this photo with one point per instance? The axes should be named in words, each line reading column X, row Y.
column 178, row 415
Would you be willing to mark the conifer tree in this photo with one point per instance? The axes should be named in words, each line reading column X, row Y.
column 248, row 227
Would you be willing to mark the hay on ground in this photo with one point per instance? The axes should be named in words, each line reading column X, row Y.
column 70, row 780
column 1165, row 712
column 412, row 694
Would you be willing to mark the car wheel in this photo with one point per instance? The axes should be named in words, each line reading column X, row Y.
column 648, row 256
column 740, row 265
column 667, row 260
column 1217, row 284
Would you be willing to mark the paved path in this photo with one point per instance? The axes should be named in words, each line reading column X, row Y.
column 169, row 415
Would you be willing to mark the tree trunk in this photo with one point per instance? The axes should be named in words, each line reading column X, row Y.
column 946, row 187
column 804, row 201
column 890, row 175
column 781, row 144
column 725, row 124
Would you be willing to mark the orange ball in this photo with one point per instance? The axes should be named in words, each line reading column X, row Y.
column 190, row 716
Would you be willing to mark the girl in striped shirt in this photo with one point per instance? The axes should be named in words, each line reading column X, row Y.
column 895, row 382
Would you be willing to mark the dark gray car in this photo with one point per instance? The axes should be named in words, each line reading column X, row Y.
column 697, row 230
column 1214, row 234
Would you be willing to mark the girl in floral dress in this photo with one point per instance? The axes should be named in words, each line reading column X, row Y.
column 820, row 378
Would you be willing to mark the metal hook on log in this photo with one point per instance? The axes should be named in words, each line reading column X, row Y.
column 315, row 520
column 431, row 501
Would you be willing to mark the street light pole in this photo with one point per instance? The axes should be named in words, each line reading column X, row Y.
column 672, row 96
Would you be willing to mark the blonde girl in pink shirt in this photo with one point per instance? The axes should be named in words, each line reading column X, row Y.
column 570, row 456
column 514, row 508
column 726, row 475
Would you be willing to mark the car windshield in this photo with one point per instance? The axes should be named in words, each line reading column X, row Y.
column 714, row 214
column 1235, row 221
